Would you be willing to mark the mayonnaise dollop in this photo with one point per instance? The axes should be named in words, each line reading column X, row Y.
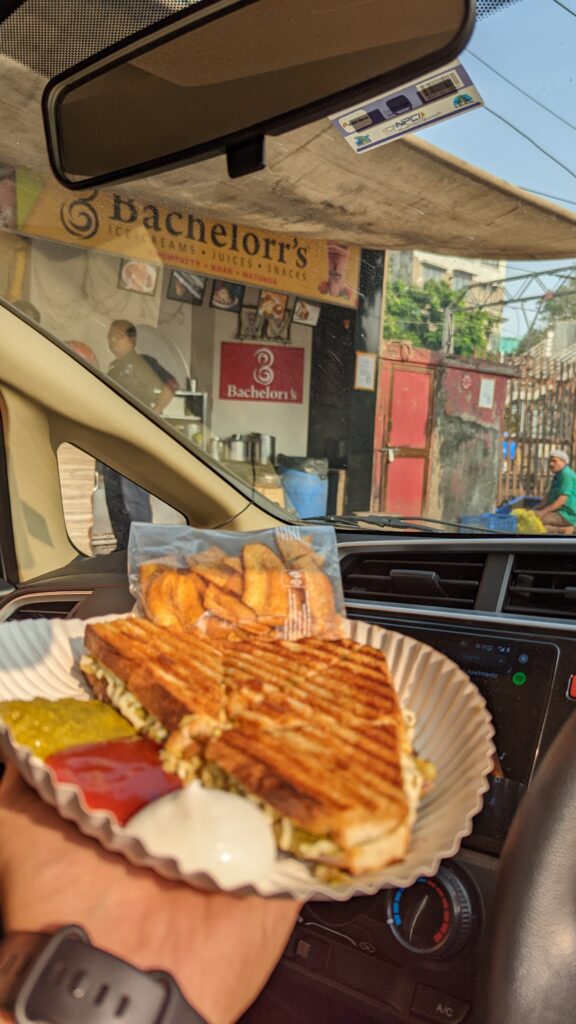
column 208, row 830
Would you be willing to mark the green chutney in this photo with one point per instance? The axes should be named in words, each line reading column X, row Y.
column 48, row 726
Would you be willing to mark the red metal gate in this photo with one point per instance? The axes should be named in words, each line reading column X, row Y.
column 406, row 403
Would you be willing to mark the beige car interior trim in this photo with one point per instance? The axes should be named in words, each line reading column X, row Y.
column 39, row 529
column 38, row 381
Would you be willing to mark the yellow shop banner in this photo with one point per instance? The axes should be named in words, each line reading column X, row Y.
column 115, row 223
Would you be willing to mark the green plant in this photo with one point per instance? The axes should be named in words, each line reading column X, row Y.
column 418, row 315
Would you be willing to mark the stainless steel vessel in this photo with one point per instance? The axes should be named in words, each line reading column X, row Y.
column 236, row 448
column 263, row 448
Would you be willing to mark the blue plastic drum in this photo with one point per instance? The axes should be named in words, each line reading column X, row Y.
column 306, row 492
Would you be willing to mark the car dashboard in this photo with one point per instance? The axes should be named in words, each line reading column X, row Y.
column 502, row 608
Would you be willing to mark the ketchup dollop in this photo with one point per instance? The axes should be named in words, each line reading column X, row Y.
column 118, row 776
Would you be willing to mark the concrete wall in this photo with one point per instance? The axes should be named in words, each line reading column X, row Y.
column 408, row 266
column 466, row 440
column 464, row 480
column 77, row 295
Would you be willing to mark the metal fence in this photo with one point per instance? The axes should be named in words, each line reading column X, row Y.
column 540, row 415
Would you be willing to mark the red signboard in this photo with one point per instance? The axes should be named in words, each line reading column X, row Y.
column 261, row 373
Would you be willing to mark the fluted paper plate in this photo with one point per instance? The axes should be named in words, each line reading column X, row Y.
column 454, row 730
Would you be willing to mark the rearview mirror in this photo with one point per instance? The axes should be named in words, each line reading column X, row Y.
column 221, row 75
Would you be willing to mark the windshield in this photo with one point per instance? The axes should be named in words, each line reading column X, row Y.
column 386, row 336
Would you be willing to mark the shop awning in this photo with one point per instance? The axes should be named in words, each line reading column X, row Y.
column 406, row 195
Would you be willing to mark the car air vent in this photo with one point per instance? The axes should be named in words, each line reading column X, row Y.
column 415, row 579
column 543, row 585
column 54, row 609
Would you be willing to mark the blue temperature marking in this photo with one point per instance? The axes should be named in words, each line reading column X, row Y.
column 396, row 916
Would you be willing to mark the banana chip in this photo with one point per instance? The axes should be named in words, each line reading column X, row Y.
column 275, row 585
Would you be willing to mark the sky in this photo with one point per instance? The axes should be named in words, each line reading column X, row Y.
column 532, row 43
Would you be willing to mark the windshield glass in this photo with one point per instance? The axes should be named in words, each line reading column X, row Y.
column 386, row 335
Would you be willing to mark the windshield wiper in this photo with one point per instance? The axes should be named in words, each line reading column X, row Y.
column 382, row 521
column 399, row 523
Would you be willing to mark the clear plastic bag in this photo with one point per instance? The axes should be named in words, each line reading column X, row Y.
column 282, row 583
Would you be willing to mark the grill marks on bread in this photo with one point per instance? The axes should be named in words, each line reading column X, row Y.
column 172, row 675
column 313, row 728
column 317, row 733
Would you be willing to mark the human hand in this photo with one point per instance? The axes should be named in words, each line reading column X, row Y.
column 221, row 949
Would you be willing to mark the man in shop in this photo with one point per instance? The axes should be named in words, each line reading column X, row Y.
column 558, row 510
column 143, row 377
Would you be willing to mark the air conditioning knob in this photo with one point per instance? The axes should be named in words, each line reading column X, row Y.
column 435, row 917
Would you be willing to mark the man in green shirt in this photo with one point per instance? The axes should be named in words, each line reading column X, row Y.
column 558, row 511
column 141, row 375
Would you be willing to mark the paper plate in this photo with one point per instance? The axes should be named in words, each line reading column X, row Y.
column 454, row 730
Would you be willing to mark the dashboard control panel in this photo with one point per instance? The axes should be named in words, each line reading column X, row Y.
column 411, row 952
column 516, row 678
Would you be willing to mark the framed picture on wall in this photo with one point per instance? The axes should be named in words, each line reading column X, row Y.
column 250, row 324
column 277, row 330
column 227, row 296
column 184, row 286
column 272, row 305
column 136, row 276
column 307, row 313
column 365, row 371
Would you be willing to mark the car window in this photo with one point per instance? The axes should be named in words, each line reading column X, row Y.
column 99, row 503
column 384, row 334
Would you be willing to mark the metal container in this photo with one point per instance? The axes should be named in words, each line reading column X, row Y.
column 216, row 448
column 236, row 448
column 263, row 448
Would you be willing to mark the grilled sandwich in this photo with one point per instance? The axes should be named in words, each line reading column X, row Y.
column 311, row 730
column 319, row 739
column 161, row 681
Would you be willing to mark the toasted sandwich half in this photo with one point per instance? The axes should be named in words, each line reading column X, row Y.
column 161, row 681
column 311, row 730
column 319, row 739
